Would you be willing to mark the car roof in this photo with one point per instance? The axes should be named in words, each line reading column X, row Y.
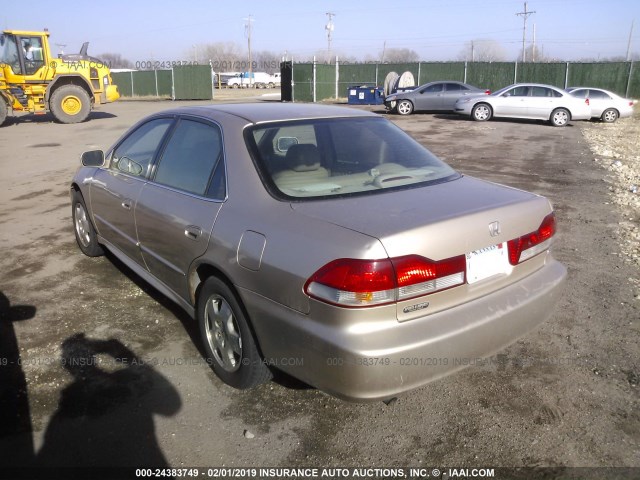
column 534, row 85
column 272, row 111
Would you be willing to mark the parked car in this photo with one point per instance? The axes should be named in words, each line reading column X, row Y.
column 526, row 100
column 434, row 96
column 320, row 240
column 605, row 105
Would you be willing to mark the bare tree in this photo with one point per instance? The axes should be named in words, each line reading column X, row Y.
column 266, row 61
column 534, row 54
column 482, row 50
column 400, row 55
column 115, row 60
column 224, row 56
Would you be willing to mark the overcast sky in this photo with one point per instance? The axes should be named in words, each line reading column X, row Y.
column 435, row 29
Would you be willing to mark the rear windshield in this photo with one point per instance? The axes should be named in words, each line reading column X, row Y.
column 346, row 156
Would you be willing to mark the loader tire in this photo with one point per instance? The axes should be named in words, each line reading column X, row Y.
column 4, row 110
column 70, row 104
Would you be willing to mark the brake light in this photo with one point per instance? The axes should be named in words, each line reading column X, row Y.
column 487, row 92
column 530, row 245
column 586, row 101
column 349, row 282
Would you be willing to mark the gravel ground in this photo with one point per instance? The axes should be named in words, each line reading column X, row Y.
column 616, row 148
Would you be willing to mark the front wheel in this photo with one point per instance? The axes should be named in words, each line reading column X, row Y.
column 227, row 338
column 405, row 107
column 610, row 115
column 481, row 112
column 83, row 228
column 560, row 117
column 70, row 104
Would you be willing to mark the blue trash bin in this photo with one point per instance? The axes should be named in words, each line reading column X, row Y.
column 364, row 95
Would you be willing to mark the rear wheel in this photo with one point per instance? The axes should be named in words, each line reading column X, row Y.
column 560, row 117
column 405, row 107
column 227, row 337
column 610, row 115
column 70, row 104
column 481, row 112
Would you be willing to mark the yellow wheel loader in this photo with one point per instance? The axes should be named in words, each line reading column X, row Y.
column 33, row 81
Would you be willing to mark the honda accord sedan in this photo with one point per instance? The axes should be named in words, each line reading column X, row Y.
column 529, row 101
column 320, row 240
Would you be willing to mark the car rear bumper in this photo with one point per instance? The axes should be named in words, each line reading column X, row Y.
column 360, row 365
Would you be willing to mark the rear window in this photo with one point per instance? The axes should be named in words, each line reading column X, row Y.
column 337, row 157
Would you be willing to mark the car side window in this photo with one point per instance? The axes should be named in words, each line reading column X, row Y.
column 191, row 154
column 433, row 88
column 598, row 95
column 136, row 152
column 455, row 87
column 582, row 93
column 518, row 92
column 541, row 92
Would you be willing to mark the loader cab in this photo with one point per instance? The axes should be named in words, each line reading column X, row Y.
column 23, row 54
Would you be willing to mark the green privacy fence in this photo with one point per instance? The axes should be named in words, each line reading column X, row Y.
column 185, row 82
column 317, row 82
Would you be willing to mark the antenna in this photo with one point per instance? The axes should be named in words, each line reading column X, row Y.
column 524, row 16
column 61, row 46
column 329, row 27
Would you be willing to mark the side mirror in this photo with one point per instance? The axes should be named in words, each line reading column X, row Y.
column 93, row 158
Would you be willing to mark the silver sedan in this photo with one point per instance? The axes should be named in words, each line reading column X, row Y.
column 319, row 240
column 605, row 105
column 529, row 101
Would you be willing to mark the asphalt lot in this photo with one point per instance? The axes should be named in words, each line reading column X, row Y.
column 565, row 395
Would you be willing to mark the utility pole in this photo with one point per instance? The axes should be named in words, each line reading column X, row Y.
column 329, row 28
column 247, row 29
column 629, row 43
column 533, row 49
column 384, row 50
column 524, row 16
column 473, row 52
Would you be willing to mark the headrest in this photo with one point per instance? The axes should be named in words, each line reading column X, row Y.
column 303, row 157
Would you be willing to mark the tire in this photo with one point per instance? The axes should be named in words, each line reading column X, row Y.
column 482, row 112
column 235, row 85
column 610, row 115
column 70, row 104
column 4, row 110
column 228, row 340
column 560, row 117
column 83, row 228
column 404, row 107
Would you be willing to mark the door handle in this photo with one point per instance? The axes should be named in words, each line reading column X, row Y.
column 193, row 232
column 126, row 204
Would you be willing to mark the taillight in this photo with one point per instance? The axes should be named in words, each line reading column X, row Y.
column 351, row 282
column 530, row 245
column 487, row 92
column 419, row 276
column 586, row 101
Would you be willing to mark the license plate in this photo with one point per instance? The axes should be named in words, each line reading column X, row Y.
column 487, row 262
